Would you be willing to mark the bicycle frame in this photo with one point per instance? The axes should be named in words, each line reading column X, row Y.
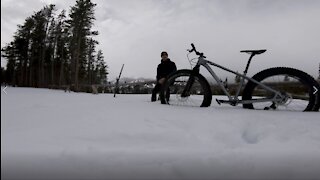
column 233, row 100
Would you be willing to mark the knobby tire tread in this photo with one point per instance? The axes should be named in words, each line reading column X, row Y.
column 314, row 101
column 207, row 97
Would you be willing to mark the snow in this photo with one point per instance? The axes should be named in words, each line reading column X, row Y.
column 51, row 134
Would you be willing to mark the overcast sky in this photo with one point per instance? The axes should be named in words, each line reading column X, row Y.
column 134, row 32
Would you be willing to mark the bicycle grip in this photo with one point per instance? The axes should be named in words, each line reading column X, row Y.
column 192, row 45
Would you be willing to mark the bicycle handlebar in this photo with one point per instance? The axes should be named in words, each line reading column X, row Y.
column 194, row 49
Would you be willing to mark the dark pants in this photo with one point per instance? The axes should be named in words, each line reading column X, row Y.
column 156, row 90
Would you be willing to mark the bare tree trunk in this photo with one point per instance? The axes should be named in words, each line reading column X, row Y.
column 25, row 72
column 39, row 70
column 14, row 74
column 30, row 74
column 42, row 68
column 76, row 78
column 61, row 67
column 42, row 72
column 77, row 66
column 52, row 61
column 31, row 82
column 89, row 71
column 20, row 81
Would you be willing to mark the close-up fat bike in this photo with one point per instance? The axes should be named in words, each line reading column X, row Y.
column 277, row 88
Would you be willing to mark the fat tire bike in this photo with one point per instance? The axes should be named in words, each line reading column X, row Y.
column 278, row 88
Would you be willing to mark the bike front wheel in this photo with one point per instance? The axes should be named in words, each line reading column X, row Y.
column 298, row 89
column 186, row 88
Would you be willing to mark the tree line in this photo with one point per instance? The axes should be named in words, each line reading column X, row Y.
column 53, row 50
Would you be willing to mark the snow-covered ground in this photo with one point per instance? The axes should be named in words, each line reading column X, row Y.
column 50, row 134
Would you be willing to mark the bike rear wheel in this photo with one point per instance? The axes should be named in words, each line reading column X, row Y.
column 186, row 88
column 298, row 87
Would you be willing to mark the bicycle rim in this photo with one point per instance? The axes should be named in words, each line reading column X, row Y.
column 296, row 91
column 175, row 94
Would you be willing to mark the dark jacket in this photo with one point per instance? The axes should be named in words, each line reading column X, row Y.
column 165, row 68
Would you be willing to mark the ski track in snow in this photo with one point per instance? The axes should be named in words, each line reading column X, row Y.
column 50, row 134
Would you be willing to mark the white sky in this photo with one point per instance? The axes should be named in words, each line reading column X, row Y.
column 134, row 32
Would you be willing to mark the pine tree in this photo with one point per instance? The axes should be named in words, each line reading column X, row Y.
column 51, row 52
column 17, row 54
column 82, row 17
column 48, row 50
column 3, row 77
column 23, row 41
column 101, row 69
column 40, row 44
column 90, row 66
column 8, row 52
column 62, row 52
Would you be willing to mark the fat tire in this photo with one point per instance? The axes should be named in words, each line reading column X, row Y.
column 304, row 78
column 207, row 94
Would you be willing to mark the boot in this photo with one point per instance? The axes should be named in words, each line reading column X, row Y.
column 153, row 97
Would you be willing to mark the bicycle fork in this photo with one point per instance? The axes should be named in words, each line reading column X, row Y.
column 186, row 90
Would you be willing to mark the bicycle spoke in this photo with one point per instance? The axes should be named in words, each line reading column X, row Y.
column 186, row 90
column 296, row 93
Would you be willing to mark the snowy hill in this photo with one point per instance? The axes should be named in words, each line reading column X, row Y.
column 50, row 134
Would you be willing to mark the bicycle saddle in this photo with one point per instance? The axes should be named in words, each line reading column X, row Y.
column 254, row 52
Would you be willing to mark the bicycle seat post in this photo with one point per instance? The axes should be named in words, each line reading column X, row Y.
column 249, row 61
column 252, row 53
